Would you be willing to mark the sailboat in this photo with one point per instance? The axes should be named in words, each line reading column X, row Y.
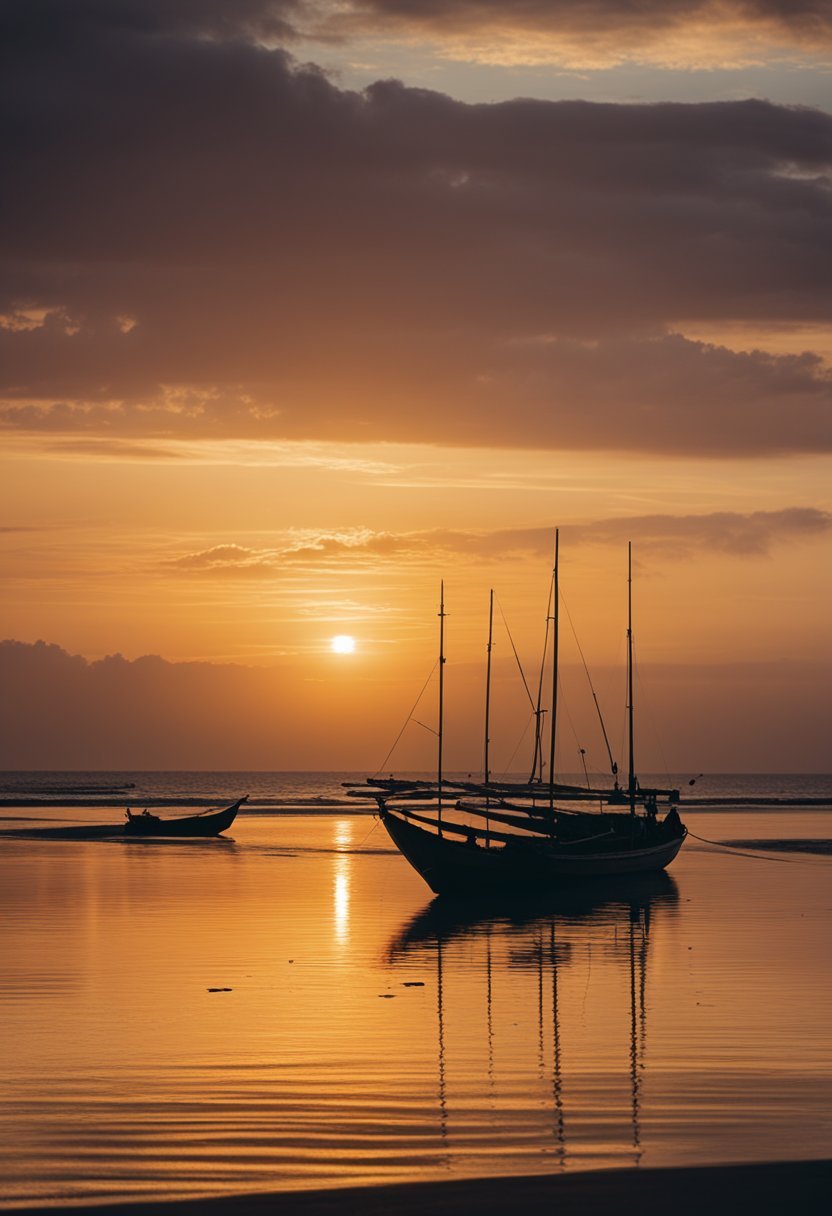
column 486, row 839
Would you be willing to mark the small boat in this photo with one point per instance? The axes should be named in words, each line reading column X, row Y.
column 453, row 843
column 207, row 823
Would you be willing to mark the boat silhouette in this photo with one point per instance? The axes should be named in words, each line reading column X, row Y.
column 475, row 840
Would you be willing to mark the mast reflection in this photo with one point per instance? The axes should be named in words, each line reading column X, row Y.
column 557, row 942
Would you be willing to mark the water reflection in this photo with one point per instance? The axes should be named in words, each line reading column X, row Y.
column 341, row 882
column 555, row 943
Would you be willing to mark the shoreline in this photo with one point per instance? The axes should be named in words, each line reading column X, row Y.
column 764, row 1189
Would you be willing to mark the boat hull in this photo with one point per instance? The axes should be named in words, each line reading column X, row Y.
column 190, row 825
column 452, row 867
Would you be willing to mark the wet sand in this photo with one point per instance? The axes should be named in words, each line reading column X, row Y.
column 764, row 1190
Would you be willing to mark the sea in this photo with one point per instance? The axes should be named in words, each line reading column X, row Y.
column 275, row 791
column 288, row 1007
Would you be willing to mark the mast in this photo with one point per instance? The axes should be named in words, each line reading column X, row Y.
column 631, row 785
column 486, row 770
column 441, row 698
column 554, row 720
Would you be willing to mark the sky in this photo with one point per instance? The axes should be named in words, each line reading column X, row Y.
column 305, row 307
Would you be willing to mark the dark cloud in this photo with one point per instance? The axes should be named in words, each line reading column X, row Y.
column 197, row 237
column 703, row 33
column 218, row 19
column 70, row 713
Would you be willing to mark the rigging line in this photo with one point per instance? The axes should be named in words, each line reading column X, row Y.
column 565, row 704
column 506, row 772
column 545, row 650
column 516, row 656
column 383, row 764
column 425, row 726
column 613, row 765
column 539, row 711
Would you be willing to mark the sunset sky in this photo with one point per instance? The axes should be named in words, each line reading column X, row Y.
column 307, row 306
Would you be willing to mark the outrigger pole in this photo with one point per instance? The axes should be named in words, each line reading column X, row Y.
column 554, row 721
column 632, row 775
column 441, row 699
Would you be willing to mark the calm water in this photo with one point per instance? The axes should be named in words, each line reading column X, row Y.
column 368, row 1035
column 292, row 790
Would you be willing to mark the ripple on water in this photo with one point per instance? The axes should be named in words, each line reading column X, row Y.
column 684, row 1022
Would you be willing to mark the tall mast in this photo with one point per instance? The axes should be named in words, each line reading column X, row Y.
column 486, row 769
column 632, row 777
column 554, row 721
column 441, row 698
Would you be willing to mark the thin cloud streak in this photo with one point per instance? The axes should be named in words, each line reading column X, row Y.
column 236, row 453
column 598, row 34
column 675, row 537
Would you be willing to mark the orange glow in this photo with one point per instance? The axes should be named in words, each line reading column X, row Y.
column 131, row 554
column 358, row 1033
column 333, row 372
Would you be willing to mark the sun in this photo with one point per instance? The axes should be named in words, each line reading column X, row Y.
column 343, row 644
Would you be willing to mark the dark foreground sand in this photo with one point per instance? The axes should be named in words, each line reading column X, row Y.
column 799, row 1188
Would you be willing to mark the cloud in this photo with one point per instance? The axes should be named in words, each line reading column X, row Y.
column 228, row 558
column 576, row 34
column 663, row 394
column 672, row 536
column 151, row 714
column 598, row 33
column 68, row 712
column 254, row 20
column 298, row 261
column 741, row 535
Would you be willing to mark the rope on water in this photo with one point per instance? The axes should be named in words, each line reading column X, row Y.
column 376, row 822
column 751, row 856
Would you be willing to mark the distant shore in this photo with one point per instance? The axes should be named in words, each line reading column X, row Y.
column 771, row 1189
column 321, row 803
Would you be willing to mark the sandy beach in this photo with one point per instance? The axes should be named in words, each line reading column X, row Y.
column 764, row 1190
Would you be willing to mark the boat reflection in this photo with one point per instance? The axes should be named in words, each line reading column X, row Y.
column 544, row 951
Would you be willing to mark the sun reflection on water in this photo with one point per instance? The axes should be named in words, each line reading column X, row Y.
column 341, row 887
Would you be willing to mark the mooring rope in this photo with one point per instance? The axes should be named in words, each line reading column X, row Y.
column 751, row 856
